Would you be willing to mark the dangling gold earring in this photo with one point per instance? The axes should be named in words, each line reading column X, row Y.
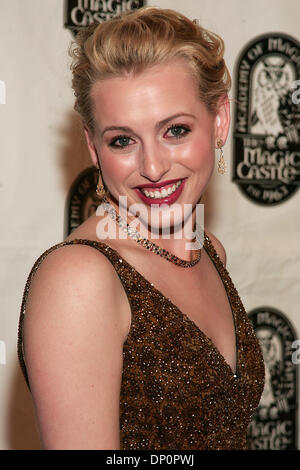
column 100, row 190
column 221, row 162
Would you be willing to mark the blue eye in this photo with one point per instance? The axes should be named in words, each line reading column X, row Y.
column 178, row 130
column 120, row 141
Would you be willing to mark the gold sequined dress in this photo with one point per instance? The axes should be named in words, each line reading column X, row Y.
column 177, row 390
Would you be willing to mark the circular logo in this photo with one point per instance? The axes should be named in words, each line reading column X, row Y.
column 82, row 199
column 266, row 160
column 274, row 423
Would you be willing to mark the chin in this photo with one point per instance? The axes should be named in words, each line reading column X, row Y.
column 163, row 219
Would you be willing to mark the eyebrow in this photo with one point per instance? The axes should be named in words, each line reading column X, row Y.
column 159, row 125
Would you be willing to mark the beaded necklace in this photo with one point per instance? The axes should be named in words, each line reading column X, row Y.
column 135, row 235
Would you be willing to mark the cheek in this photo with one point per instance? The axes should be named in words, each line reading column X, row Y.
column 116, row 169
column 199, row 155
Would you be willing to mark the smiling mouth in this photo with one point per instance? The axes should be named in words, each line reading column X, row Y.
column 163, row 192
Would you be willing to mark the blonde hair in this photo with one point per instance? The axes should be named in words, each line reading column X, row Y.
column 143, row 38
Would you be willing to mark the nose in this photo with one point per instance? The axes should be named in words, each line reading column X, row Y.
column 154, row 162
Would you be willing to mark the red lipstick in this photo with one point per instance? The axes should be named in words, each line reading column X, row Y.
column 169, row 199
column 157, row 185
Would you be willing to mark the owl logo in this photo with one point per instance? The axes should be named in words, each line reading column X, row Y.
column 273, row 76
column 270, row 402
column 272, row 81
column 267, row 119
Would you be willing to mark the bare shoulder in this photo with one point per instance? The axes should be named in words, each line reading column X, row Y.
column 77, row 270
column 74, row 331
column 217, row 246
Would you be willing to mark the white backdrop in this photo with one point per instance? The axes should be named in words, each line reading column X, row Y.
column 42, row 152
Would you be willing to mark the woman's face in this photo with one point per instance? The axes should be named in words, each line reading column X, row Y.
column 153, row 129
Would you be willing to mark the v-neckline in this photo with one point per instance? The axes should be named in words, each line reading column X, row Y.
column 184, row 315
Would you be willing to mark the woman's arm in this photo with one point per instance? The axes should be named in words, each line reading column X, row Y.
column 77, row 317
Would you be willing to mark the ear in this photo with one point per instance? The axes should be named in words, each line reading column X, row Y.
column 91, row 146
column 222, row 119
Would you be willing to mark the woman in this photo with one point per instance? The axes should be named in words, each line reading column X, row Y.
column 129, row 353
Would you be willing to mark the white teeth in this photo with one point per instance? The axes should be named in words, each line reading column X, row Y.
column 163, row 193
